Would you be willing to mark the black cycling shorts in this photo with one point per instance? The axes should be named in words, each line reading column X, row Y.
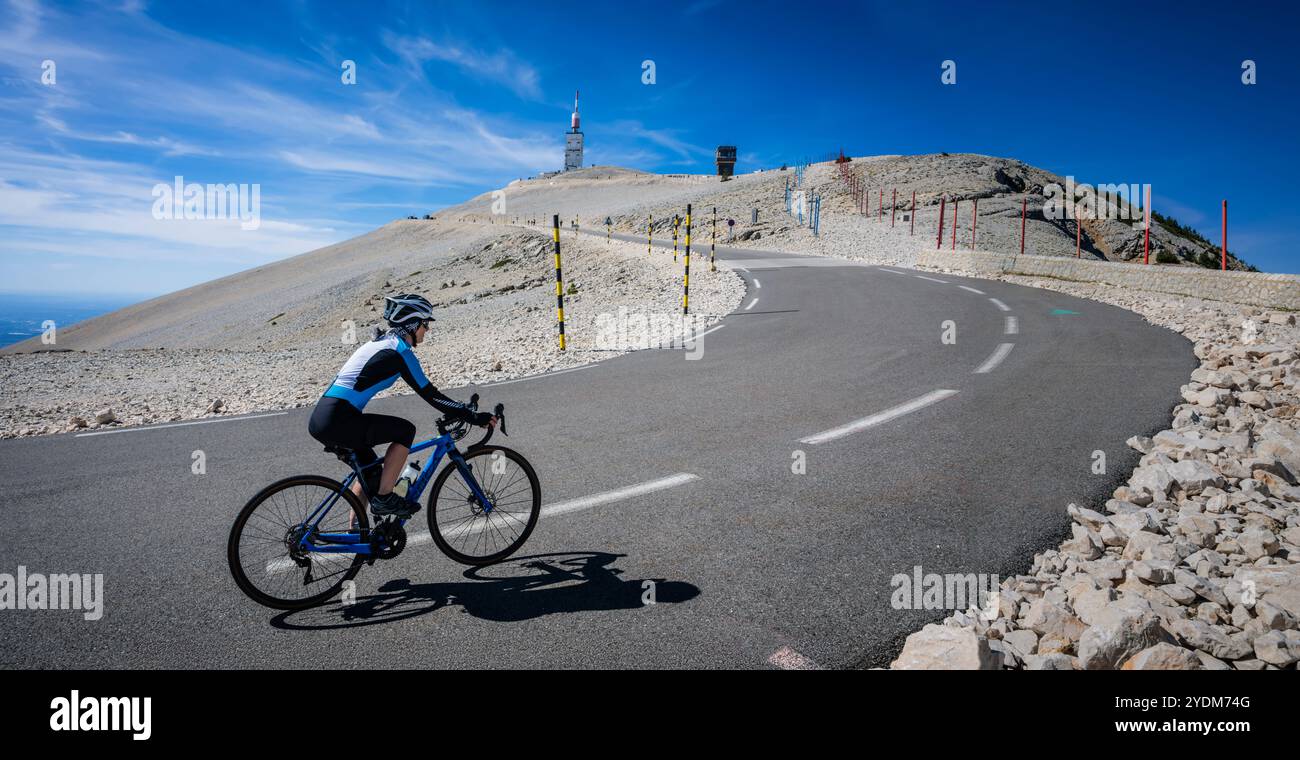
column 336, row 422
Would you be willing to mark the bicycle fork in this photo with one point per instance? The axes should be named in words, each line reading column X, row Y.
column 466, row 471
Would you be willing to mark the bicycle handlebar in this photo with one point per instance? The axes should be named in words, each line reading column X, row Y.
column 458, row 428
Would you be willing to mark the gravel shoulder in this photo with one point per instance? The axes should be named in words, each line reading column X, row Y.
column 495, row 289
column 1194, row 563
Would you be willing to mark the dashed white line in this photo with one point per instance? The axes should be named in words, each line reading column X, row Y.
column 757, row 284
column 751, row 304
column 1000, row 305
column 688, row 340
column 558, row 508
column 640, row 489
column 180, row 424
column 788, row 659
column 1013, row 327
column 879, row 418
column 973, row 290
column 931, row 279
column 535, row 377
column 892, row 271
column 993, row 361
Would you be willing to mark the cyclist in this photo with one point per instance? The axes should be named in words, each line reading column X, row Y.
column 338, row 419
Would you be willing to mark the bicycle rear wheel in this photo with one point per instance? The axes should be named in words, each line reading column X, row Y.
column 262, row 548
column 460, row 524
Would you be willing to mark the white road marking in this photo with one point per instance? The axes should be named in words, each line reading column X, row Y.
column 751, row 304
column 757, row 284
column 606, row 497
column 891, row 271
column 558, row 508
column 1000, row 305
column 788, row 659
column 1013, row 327
column 879, row 418
column 690, row 339
column 534, row 377
column 180, row 424
column 931, row 279
column 993, row 361
column 973, row 290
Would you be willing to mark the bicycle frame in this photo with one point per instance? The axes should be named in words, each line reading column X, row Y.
column 359, row 543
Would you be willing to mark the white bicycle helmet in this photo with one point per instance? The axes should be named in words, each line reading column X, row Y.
column 407, row 307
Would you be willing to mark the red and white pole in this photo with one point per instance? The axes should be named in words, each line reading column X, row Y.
column 1024, row 205
column 940, row 245
column 955, row 205
column 1223, row 262
column 893, row 207
column 1146, row 233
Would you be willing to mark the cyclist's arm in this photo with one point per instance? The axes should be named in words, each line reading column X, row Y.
column 414, row 376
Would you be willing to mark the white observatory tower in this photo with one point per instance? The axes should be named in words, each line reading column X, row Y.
column 573, row 141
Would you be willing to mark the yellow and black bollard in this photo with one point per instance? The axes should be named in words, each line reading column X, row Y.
column 559, row 280
column 686, row 274
column 713, row 243
column 649, row 234
column 677, row 222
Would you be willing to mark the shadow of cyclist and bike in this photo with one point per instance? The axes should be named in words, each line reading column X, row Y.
column 521, row 588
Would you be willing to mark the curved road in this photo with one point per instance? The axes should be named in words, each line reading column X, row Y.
column 655, row 467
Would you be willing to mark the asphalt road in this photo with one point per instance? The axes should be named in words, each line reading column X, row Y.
column 754, row 565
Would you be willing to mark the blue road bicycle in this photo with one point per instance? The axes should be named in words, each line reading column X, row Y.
column 300, row 539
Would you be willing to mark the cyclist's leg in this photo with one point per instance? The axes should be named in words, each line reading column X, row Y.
column 399, row 434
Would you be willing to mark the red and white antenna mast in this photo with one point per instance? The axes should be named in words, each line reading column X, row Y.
column 575, row 110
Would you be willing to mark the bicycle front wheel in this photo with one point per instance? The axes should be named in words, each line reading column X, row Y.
column 263, row 551
column 472, row 532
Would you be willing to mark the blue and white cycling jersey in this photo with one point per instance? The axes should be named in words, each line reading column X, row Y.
column 377, row 365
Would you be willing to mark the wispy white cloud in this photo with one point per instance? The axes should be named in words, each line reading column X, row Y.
column 503, row 67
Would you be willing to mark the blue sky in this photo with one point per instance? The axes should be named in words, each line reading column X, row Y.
column 453, row 98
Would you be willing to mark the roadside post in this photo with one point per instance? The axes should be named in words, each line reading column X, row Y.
column 893, row 207
column 1024, row 205
column 913, row 232
column 686, row 272
column 955, row 205
column 1146, row 232
column 713, row 241
column 649, row 234
column 676, row 223
column 1223, row 260
column 939, row 245
column 559, row 279
column 974, row 219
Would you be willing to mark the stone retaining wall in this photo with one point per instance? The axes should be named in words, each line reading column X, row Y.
column 1251, row 288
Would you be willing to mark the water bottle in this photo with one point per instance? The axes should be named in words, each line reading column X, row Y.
column 407, row 477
